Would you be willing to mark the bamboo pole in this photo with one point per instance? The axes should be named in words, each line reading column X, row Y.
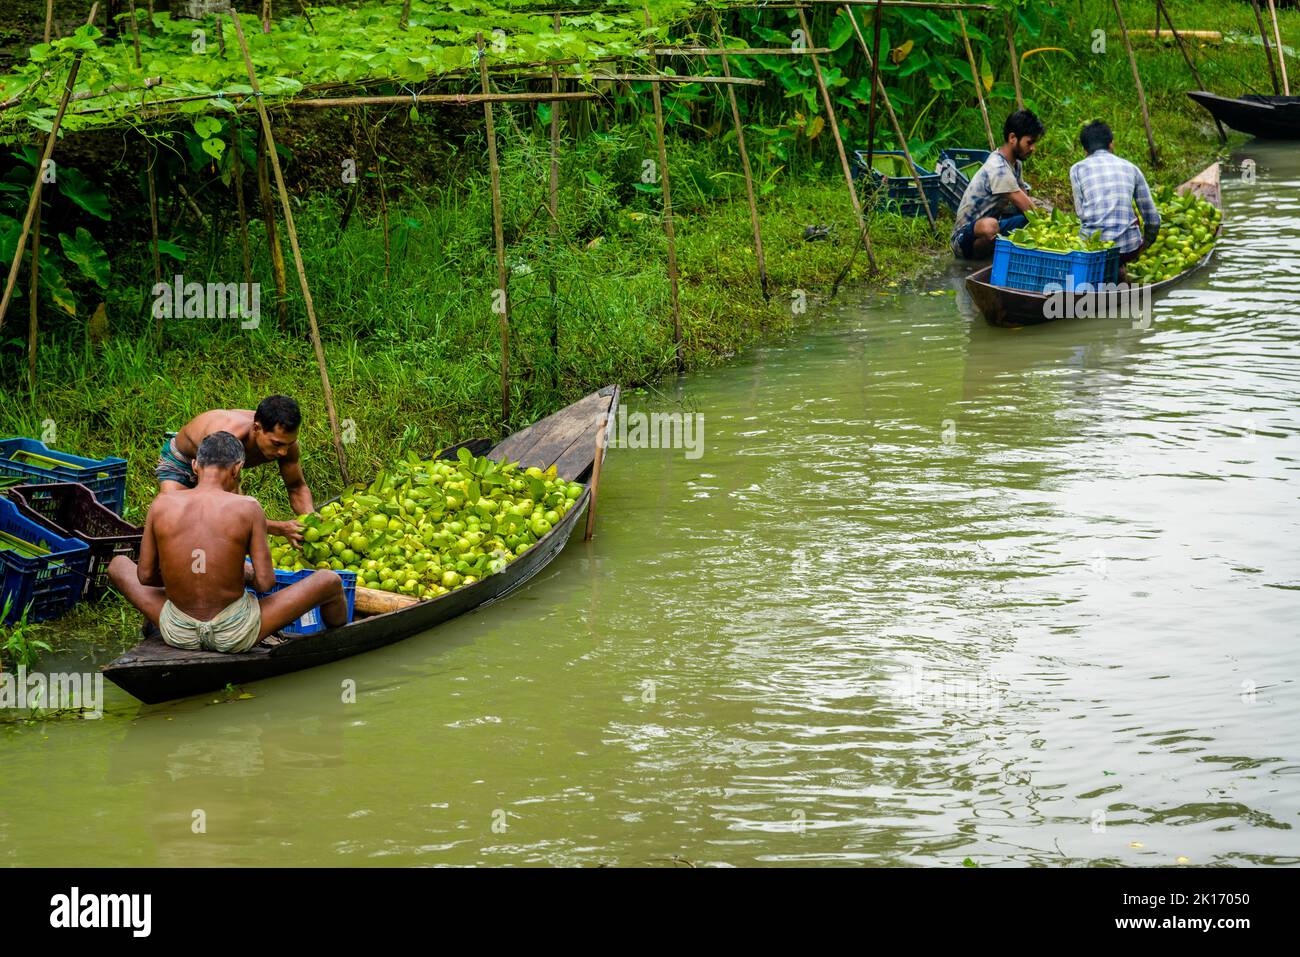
column 242, row 101
column 266, row 16
column 914, row 4
column 893, row 118
column 297, row 253
column 372, row 140
column 1137, row 82
column 49, row 19
column 744, row 163
column 874, row 63
column 976, row 79
column 839, row 146
column 1268, row 47
column 595, row 477
column 446, row 99
column 554, row 203
column 355, row 191
column 405, row 22
column 734, row 51
column 503, row 289
column 32, row 296
column 278, row 270
column 1187, row 57
column 34, row 202
column 1281, row 50
column 149, row 82
column 1015, row 59
column 135, row 35
column 237, row 172
column 657, row 78
column 153, row 230
column 666, row 188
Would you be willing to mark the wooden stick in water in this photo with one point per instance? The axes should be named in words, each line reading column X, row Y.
column 595, row 477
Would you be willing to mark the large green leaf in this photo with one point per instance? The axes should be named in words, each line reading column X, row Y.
column 841, row 31
column 167, row 248
column 10, row 229
column 55, row 284
column 918, row 61
column 88, row 255
column 83, row 192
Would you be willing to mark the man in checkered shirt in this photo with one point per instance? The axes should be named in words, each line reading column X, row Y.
column 1106, row 188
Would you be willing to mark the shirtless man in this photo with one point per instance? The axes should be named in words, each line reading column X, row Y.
column 191, row 576
column 269, row 434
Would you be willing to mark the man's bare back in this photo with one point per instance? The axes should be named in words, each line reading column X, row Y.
column 190, row 579
column 200, row 537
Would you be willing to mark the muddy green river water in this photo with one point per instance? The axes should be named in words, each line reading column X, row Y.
column 930, row 591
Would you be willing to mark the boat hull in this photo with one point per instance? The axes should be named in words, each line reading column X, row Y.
column 1003, row 306
column 1267, row 117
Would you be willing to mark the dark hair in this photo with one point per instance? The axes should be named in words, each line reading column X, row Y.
column 220, row 449
column 278, row 411
column 1023, row 123
column 1095, row 136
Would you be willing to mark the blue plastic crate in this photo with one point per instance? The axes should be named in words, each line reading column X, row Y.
column 51, row 583
column 1034, row 269
column 106, row 478
column 896, row 190
column 311, row 623
column 952, row 181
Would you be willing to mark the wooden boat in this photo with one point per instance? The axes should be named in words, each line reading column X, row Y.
column 1002, row 306
column 153, row 671
column 1268, row 117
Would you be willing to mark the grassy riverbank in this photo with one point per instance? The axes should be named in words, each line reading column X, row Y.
column 414, row 354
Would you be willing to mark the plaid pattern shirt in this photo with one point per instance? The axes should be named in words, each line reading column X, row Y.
column 1105, row 189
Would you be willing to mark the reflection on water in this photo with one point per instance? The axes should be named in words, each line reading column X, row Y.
column 933, row 591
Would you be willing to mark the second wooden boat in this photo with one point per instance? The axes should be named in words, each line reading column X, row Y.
column 1268, row 117
column 154, row 671
column 1002, row 306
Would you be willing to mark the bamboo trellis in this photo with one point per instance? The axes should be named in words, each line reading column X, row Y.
column 555, row 96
